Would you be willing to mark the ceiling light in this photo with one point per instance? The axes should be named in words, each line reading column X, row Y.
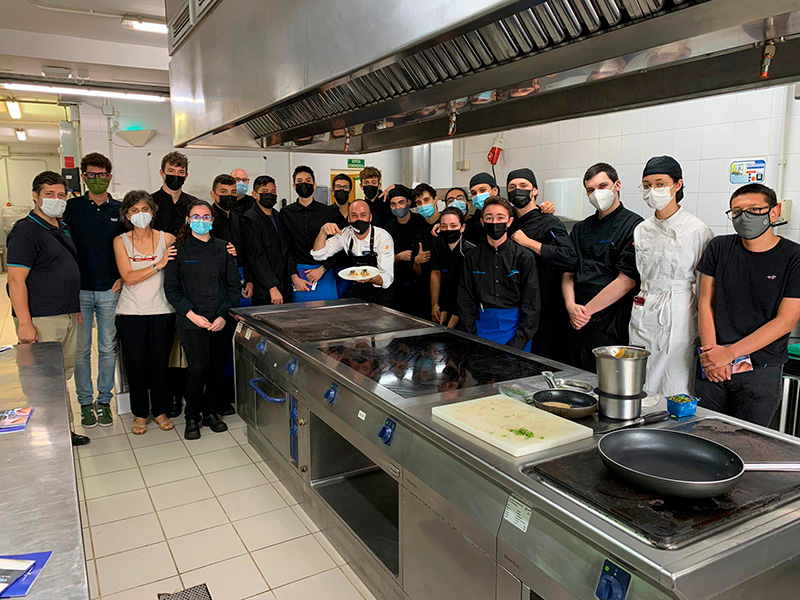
column 80, row 91
column 21, row 135
column 13, row 109
column 142, row 24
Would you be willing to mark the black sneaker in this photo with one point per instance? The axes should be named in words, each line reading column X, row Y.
column 192, row 431
column 214, row 423
column 175, row 408
column 227, row 410
column 79, row 440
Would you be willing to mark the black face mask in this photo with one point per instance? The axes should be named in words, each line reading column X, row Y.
column 267, row 200
column 520, row 198
column 341, row 196
column 371, row 192
column 360, row 226
column 304, row 190
column 450, row 236
column 226, row 202
column 174, row 182
column 495, row 230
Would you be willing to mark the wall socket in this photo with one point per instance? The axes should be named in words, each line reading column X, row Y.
column 462, row 165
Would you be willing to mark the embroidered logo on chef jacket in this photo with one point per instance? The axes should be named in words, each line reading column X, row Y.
column 513, row 272
column 772, row 277
column 479, row 272
column 114, row 219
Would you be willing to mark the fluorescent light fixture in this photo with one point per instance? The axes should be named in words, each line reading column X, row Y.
column 21, row 135
column 81, row 91
column 142, row 24
column 13, row 109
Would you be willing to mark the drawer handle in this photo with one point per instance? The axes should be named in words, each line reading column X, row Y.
column 261, row 393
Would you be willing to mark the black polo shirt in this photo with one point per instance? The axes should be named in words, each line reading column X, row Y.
column 301, row 225
column 93, row 229
column 54, row 280
column 170, row 215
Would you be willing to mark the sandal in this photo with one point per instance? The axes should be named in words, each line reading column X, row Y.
column 164, row 423
column 139, row 426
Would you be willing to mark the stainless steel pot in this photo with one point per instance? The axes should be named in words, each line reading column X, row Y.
column 621, row 409
column 621, row 376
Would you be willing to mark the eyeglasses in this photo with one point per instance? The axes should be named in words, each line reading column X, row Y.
column 241, row 179
column 96, row 175
column 206, row 218
column 462, row 198
column 341, row 188
column 140, row 258
column 759, row 211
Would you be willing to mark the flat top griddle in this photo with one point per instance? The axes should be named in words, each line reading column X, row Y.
column 672, row 522
column 338, row 322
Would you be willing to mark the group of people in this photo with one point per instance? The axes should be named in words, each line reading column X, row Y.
column 505, row 269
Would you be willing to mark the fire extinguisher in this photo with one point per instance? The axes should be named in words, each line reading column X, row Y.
column 494, row 153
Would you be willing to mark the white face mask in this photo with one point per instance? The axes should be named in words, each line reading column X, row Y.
column 601, row 199
column 657, row 198
column 53, row 207
column 142, row 219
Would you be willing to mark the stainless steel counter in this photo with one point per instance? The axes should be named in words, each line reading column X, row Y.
column 39, row 497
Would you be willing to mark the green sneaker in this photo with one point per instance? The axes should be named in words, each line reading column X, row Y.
column 88, row 418
column 104, row 416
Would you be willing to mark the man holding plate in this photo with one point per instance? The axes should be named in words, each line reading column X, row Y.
column 369, row 249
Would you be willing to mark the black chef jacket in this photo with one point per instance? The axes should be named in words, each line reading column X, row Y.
column 227, row 227
column 203, row 278
column 300, row 227
column 450, row 263
column 474, row 231
column 412, row 292
column 266, row 253
column 243, row 205
column 170, row 216
column 93, row 229
column 558, row 256
column 335, row 216
column 381, row 211
column 505, row 277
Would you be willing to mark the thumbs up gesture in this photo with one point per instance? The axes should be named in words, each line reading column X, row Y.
column 423, row 256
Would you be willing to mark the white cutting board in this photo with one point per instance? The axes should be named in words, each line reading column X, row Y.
column 491, row 419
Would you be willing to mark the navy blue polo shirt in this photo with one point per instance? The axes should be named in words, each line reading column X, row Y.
column 49, row 253
column 93, row 230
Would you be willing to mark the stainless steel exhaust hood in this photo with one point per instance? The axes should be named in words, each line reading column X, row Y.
column 364, row 75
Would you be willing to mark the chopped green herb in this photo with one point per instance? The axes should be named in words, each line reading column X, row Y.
column 523, row 432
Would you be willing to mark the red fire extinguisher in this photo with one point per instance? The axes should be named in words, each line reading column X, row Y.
column 494, row 153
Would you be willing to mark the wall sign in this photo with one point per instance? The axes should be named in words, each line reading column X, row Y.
column 748, row 171
column 356, row 163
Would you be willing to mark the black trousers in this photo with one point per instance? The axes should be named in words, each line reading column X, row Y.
column 606, row 328
column 206, row 352
column 146, row 343
column 753, row 396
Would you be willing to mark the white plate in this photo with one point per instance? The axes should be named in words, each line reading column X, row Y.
column 372, row 272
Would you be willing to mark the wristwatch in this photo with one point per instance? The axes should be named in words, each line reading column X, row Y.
column 155, row 267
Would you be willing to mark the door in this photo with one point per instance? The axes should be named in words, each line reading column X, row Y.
column 271, row 412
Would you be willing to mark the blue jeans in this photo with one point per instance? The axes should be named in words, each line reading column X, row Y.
column 103, row 305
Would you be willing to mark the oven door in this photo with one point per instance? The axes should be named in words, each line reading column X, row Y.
column 271, row 403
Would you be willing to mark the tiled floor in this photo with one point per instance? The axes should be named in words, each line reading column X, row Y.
column 162, row 513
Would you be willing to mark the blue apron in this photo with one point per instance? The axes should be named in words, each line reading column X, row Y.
column 499, row 325
column 325, row 290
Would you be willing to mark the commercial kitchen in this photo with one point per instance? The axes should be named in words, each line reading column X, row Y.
column 422, row 462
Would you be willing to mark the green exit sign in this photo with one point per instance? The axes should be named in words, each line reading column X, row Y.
column 356, row 163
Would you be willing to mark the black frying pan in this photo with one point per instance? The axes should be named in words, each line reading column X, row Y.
column 673, row 463
column 580, row 405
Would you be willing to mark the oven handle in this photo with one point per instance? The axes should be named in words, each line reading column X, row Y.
column 261, row 393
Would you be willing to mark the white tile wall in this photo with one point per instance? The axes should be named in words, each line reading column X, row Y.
column 705, row 135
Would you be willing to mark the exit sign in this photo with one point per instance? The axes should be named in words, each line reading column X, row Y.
column 356, row 163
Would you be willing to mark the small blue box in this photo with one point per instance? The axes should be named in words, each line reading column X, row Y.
column 681, row 405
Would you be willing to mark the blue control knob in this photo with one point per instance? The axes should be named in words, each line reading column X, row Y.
column 293, row 431
column 261, row 347
column 386, row 434
column 293, row 413
column 291, row 367
column 613, row 584
column 331, row 393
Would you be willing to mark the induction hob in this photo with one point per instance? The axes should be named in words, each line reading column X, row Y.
column 671, row 523
column 420, row 365
column 338, row 322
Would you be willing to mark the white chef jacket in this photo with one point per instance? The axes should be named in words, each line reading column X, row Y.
column 664, row 315
column 383, row 246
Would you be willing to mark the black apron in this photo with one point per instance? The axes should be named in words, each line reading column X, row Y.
column 367, row 291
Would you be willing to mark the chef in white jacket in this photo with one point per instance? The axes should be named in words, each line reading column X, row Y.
column 668, row 247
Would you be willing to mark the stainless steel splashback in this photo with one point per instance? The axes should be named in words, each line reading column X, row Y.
column 363, row 75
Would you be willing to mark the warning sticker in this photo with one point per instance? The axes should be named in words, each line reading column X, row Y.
column 518, row 513
column 239, row 327
column 248, row 333
column 748, row 171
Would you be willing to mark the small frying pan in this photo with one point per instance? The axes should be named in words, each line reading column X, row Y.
column 580, row 405
column 674, row 463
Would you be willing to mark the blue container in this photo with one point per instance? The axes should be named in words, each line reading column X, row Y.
column 681, row 409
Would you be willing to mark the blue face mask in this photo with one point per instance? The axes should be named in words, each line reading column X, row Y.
column 478, row 200
column 241, row 188
column 427, row 210
column 201, row 227
column 460, row 205
column 400, row 212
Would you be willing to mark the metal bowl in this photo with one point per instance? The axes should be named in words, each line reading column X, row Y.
column 622, row 376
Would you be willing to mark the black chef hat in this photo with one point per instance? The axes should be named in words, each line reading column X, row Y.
column 482, row 178
column 665, row 165
column 526, row 174
column 400, row 190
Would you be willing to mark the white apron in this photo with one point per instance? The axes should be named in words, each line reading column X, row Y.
column 664, row 315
